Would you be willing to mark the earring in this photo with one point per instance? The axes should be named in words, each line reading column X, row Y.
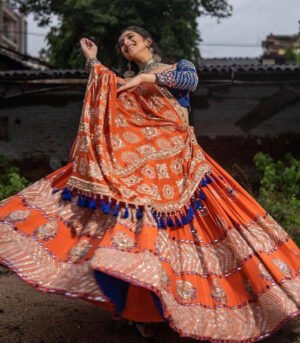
column 129, row 73
column 156, row 57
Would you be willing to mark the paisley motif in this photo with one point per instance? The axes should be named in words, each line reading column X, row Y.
column 130, row 137
column 162, row 171
column 150, row 132
column 47, row 231
column 129, row 156
column 132, row 180
column 163, row 143
column 120, row 120
column 122, row 240
column 79, row 250
column 18, row 215
column 146, row 149
column 168, row 191
column 218, row 293
column 264, row 273
column 283, row 267
column 177, row 165
column 138, row 119
column 185, row 290
column 148, row 171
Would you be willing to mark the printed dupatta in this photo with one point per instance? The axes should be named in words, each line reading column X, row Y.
column 135, row 149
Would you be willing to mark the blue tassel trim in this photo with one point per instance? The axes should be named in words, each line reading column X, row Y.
column 126, row 213
column 190, row 214
column 184, row 219
column 162, row 223
column 105, row 207
column 139, row 213
column 81, row 201
column 66, row 194
column 116, row 210
column 178, row 222
column 162, row 220
column 202, row 195
column 92, row 203
column 156, row 219
column 203, row 182
column 170, row 222
column 197, row 204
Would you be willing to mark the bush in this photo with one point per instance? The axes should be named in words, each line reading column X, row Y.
column 279, row 191
column 11, row 182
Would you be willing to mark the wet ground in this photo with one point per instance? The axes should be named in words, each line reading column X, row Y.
column 28, row 316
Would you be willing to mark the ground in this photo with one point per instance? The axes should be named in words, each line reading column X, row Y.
column 28, row 316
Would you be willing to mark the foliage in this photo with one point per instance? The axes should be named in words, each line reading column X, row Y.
column 279, row 191
column 293, row 55
column 173, row 24
column 11, row 182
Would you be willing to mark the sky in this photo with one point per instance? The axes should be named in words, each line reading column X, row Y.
column 251, row 22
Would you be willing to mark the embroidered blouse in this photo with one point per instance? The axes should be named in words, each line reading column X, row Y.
column 180, row 81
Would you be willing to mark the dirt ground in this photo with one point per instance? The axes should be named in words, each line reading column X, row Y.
column 28, row 316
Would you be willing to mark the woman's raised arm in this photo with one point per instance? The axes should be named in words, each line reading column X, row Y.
column 89, row 50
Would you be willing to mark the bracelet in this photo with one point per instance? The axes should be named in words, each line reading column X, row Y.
column 89, row 62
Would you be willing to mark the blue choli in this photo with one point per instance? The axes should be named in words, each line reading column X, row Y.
column 180, row 81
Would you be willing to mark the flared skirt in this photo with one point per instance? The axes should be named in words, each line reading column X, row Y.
column 230, row 275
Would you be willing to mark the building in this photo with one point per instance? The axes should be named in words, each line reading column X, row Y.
column 13, row 29
column 275, row 48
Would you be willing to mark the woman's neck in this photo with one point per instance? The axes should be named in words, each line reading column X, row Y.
column 143, row 58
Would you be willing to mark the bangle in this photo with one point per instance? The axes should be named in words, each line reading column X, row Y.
column 89, row 62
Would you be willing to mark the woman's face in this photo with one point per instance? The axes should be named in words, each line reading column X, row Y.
column 132, row 44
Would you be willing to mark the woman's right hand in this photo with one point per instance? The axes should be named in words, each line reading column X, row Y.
column 88, row 48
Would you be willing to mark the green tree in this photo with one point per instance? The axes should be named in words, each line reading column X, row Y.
column 279, row 191
column 11, row 182
column 173, row 24
column 293, row 54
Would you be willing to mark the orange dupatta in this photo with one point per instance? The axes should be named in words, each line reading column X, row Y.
column 134, row 149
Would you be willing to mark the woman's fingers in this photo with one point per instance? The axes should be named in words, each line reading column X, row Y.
column 88, row 47
column 122, row 88
column 125, row 86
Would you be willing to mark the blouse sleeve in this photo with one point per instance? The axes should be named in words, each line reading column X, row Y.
column 183, row 77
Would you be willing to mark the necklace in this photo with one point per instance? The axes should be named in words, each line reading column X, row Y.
column 149, row 65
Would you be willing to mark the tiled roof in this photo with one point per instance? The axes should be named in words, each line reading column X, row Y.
column 251, row 67
column 206, row 69
column 24, row 61
column 229, row 61
column 45, row 74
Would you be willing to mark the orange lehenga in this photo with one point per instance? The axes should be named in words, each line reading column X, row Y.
column 141, row 203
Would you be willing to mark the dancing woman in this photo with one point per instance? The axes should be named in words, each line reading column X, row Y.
column 143, row 222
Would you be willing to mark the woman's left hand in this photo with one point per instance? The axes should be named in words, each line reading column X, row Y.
column 133, row 82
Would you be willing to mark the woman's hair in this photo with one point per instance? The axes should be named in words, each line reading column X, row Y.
column 145, row 34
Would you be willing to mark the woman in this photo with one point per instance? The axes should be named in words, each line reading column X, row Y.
column 144, row 223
